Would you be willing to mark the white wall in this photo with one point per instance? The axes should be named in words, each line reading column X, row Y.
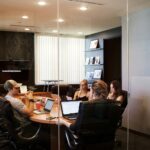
column 138, row 70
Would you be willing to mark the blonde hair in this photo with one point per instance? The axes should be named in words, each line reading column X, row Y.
column 84, row 81
column 99, row 88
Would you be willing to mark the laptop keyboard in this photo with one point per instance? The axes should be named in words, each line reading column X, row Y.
column 72, row 117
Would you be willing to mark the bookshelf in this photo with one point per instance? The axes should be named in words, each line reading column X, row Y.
column 94, row 61
column 107, row 46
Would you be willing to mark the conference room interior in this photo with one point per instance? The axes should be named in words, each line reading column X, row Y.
column 49, row 47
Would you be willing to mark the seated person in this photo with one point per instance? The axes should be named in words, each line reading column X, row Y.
column 115, row 91
column 83, row 92
column 21, row 111
column 98, row 92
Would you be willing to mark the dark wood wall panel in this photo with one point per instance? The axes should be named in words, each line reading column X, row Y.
column 16, row 46
column 17, row 52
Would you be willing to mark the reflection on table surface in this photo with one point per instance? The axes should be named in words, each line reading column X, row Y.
column 46, row 118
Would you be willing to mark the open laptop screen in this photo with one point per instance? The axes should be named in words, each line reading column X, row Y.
column 70, row 107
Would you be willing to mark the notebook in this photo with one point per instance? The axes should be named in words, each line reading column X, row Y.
column 23, row 89
column 70, row 109
column 47, row 108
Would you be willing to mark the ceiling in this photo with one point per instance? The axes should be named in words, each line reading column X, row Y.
column 100, row 15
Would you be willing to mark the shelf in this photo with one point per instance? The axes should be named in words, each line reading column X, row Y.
column 90, row 81
column 96, row 49
column 95, row 65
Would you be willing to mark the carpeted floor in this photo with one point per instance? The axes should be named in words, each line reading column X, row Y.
column 135, row 142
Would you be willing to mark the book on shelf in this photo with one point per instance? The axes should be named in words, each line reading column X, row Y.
column 87, row 61
column 92, row 60
column 97, row 60
column 97, row 74
column 89, row 75
column 94, row 44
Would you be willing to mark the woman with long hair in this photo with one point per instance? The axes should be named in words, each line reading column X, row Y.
column 115, row 91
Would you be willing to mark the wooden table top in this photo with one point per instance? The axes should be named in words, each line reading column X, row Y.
column 44, row 118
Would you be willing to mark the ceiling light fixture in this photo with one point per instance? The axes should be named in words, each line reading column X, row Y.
column 24, row 17
column 60, row 20
column 26, row 29
column 54, row 31
column 42, row 3
column 86, row 2
column 83, row 8
column 80, row 33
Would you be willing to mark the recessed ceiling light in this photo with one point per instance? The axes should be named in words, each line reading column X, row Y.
column 26, row 29
column 25, row 17
column 60, row 20
column 83, row 8
column 80, row 33
column 42, row 3
column 54, row 31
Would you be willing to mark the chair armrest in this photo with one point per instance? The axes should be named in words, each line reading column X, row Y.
column 72, row 139
column 33, row 137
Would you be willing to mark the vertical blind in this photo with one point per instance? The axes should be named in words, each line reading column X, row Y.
column 69, row 55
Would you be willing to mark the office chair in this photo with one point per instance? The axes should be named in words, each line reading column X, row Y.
column 122, row 105
column 64, row 90
column 10, row 137
column 95, row 127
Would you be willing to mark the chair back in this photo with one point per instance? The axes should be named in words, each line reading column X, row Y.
column 7, row 132
column 97, row 121
column 125, row 99
column 64, row 90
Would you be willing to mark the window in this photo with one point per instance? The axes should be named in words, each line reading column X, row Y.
column 69, row 56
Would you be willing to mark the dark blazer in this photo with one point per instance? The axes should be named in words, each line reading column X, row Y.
column 97, row 118
column 7, row 122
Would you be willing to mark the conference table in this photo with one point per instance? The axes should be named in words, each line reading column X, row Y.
column 54, row 125
column 43, row 119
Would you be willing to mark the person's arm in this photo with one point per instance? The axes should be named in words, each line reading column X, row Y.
column 90, row 94
column 22, row 108
column 64, row 122
column 29, row 103
column 75, row 95
column 29, row 109
column 120, row 98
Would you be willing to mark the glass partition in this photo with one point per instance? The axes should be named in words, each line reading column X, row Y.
column 136, row 76
column 61, row 49
column 91, row 47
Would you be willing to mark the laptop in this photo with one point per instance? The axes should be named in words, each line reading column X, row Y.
column 47, row 108
column 70, row 109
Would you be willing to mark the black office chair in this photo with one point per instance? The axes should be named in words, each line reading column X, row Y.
column 125, row 99
column 64, row 90
column 122, row 105
column 12, row 138
column 95, row 127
